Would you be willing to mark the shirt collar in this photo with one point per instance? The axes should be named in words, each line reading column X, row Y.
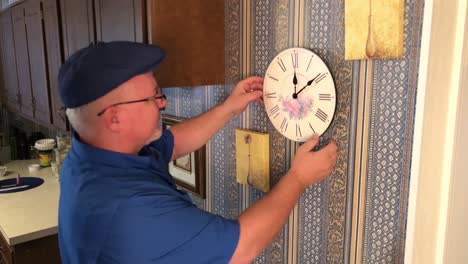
column 111, row 158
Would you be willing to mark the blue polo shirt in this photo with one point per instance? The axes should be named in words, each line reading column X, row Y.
column 119, row 208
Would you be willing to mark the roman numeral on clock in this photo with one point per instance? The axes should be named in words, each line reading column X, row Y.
column 313, row 130
column 274, row 110
column 321, row 115
column 273, row 78
column 298, row 131
column 281, row 64
column 295, row 60
column 321, row 77
column 311, row 57
column 271, row 95
column 284, row 124
column 325, row 97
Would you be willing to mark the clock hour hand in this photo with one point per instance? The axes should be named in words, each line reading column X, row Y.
column 307, row 85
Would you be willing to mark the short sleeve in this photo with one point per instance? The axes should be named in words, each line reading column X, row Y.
column 215, row 243
column 169, row 230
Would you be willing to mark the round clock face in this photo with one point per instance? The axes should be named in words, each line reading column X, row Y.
column 299, row 94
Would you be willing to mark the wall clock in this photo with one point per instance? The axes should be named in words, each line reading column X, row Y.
column 299, row 94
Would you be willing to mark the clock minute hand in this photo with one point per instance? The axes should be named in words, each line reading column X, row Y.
column 294, row 95
column 308, row 84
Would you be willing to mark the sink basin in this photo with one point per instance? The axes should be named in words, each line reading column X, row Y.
column 26, row 183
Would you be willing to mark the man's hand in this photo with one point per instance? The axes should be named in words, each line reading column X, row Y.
column 245, row 92
column 193, row 133
column 309, row 166
column 261, row 222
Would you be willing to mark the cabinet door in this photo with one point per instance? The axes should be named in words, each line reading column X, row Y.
column 6, row 252
column 22, row 61
column 37, row 61
column 121, row 20
column 192, row 34
column 77, row 24
column 54, row 59
column 3, row 91
column 9, row 62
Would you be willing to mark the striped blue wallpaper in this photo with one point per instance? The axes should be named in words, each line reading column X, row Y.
column 358, row 215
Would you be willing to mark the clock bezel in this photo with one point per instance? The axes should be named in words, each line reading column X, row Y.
column 278, row 64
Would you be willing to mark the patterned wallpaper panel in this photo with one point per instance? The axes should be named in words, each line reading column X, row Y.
column 391, row 121
column 358, row 214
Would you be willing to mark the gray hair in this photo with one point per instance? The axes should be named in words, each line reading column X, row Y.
column 82, row 119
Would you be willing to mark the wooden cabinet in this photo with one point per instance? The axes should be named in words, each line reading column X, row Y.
column 37, row 61
column 54, row 60
column 22, row 61
column 192, row 34
column 37, row 67
column 77, row 24
column 31, row 45
column 6, row 252
column 85, row 22
column 121, row 20
column 43, row 250
column 36, row 37
column 9, row 62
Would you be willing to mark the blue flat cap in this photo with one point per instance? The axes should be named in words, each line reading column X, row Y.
column 92, row 72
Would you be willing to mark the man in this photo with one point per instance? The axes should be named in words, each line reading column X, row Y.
column 118, row 203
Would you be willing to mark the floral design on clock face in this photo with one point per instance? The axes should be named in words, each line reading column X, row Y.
column 299, row 94
column 297, row 108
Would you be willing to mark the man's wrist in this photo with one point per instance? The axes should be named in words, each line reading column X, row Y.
column 227, row 109
column 296, row 181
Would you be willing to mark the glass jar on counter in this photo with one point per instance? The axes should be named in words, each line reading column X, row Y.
column 45, row 157
column 45, row 148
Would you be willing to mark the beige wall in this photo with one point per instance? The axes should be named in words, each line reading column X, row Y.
column 456, row 250
column 438, row 203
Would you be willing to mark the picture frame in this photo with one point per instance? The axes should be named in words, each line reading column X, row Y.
column 189, row 171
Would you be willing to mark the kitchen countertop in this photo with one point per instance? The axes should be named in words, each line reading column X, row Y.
column 33, row 213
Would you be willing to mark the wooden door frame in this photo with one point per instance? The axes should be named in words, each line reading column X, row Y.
column 437, row 122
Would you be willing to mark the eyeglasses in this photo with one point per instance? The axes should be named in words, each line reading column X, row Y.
column 149, row 99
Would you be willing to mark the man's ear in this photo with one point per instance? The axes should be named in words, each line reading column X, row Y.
column 111, row 119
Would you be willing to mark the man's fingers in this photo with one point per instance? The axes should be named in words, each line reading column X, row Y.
column 256, row 87
column 253, row 79
column 255, row 95
column 310, row 144
column 331, row 146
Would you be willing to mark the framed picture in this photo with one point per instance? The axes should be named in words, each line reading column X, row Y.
column 188, row 171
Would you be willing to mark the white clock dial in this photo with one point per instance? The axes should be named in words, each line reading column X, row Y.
column 299, row 94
